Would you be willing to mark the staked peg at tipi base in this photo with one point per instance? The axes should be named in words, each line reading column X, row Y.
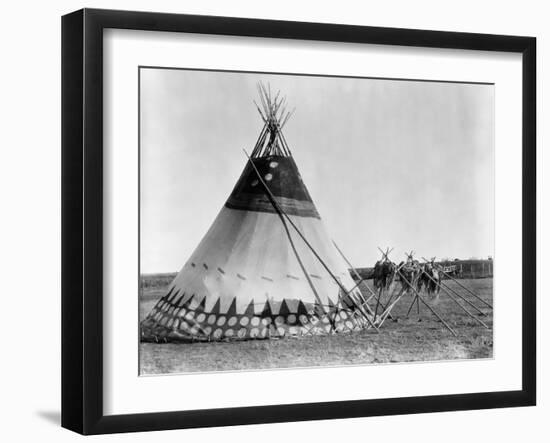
column 266, row 268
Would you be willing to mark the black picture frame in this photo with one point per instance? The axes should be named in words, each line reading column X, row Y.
column 82, row 220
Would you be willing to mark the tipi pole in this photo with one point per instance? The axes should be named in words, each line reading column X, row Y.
column 464, row 287
column 287, row 117
column 302, row 266
column 266, row 109
column 261, row 115
column 385, row 314
column 387, row 309
column 387, row 304
column 381, row 289
column 351, row 296
column 359, row 278
column 366, row 300
column 282, row 137
column 456, row 301
column 415, row 299
column 389, row 299
column 280, row 211
column 259, row 142
column 443, row 285
column 377, row 302
column 427, row 305
column 440, row 268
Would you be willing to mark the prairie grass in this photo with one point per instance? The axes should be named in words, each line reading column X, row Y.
column 421, row 337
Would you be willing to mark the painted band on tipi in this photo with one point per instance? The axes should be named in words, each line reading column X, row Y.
column 266, row 268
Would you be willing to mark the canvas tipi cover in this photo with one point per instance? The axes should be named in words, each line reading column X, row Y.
column 266, row 267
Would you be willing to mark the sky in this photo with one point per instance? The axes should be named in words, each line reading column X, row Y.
column 388, row 163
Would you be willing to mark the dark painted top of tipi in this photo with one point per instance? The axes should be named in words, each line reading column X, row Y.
column 281, row 176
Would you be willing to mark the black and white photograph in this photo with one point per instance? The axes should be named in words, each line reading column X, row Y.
column 297, row 221
column 262, row 221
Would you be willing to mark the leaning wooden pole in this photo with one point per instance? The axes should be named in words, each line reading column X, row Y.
column 359, row 278
column 389, row 305
column 381, row 289
column 384, row 307
column 443, row 285
column 464, row 287
column 427, row 305
column 415, row 299
column 295, row 250
column 280, row 210
column 386, row 312
column 456, row 301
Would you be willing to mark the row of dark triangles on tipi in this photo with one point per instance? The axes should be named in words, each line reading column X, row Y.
column 268, row 226
column 171, row 321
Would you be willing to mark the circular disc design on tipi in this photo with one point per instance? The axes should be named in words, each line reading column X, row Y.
column 252, row 252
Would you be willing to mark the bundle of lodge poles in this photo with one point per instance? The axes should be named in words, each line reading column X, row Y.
column 360, row 302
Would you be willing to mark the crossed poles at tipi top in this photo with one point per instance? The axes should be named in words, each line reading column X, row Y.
column 272, row 142
column 275, row 116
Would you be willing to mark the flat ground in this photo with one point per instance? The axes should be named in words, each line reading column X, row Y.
column 417, row 338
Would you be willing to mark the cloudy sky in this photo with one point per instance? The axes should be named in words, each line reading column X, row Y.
column 405, row 164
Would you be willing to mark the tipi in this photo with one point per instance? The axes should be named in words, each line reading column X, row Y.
column 266, row 268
